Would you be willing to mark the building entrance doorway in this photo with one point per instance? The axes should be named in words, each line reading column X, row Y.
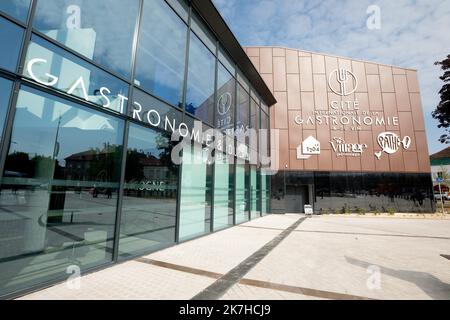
column 296, row 198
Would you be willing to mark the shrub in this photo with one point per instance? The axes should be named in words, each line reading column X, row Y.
column 391, row 211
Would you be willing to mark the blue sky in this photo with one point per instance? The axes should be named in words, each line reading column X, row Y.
column 413, row 34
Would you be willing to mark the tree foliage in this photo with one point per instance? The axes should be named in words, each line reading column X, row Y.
column 442, row 112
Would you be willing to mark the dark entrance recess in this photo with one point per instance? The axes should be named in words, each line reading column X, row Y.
column 296, row 198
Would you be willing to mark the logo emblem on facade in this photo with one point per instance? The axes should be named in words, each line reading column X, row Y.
column 343, row 82
column 341, row 148
column 224, row 103
column 309, row 147
column 390, row 143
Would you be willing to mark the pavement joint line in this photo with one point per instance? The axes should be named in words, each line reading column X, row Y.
column 374, row 234
column 301, row 290
column 353, row 233
column 181, row 268
column 216, row 290
column 255, row 283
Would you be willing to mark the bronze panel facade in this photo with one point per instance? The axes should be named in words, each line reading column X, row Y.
column 366, row 117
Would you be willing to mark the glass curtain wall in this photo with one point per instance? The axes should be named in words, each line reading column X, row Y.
column 223, row 192
column 64, row 151
column 5, row 92
column 150, row 193
column 99, row 30
column 242, row 193
column 11, row 39
column 196, row 193
column 160, row 61
column 59, row 190
column 17, row 9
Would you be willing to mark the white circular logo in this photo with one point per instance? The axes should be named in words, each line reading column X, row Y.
column 346, row 82
column 224, row 103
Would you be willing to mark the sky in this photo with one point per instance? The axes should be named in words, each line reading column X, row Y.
column 411, row 34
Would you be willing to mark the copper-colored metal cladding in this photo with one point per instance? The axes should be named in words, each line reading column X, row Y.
column 302, row 85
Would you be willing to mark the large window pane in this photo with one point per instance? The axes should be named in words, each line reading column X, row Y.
column 255, row 210
column 203, row 32
column 223, row 192
column 265, row 196
column 226, row 99
column 200, row 86
column 195, row 206
column 11, row 39
column 16, row 8
column 161, row 53
column 225, row 59
column 152, row 111
column 181, row 7
column 59, row 192
column 100, row 30
column 68, row 69
column 150, row 193
column 254, row 125
column 242, row 121
column 242, row 193
column 5, row 92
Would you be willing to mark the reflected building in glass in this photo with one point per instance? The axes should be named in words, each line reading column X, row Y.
column 91, row 114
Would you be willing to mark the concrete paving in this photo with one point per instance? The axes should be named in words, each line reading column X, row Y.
column 325, row 257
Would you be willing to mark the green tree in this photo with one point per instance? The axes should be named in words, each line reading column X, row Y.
column 442, row 112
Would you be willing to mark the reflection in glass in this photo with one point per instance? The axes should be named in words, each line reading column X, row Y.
column 242, row 121
column 161, row 52
column 16, row 8
column 255, row 198
column 100, row 30
column 372, row 192
column 5, row 92
column 198, row 26
column 242, row 193
column 223, row 192
column 181, row 7
column 11, row 40
column 200, row 85
column 226, row 99
column 68, row 69
column 150, row 108
column 195, row 206
column 59, row 190
column 225, row 59
column 265, row 196
column 254, row 125
column 150, row 193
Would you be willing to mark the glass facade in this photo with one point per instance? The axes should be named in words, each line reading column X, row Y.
column 59, row 189
column 17, row 9
column 200, row 90
column 5, row 92
column 73, row 75
column 160, row 63
column 85, row 27
column 150, row 193
column 226, row 100
column 223, row 192
column 348, row 192
column 195, row 200
column 88, row 172
column 11, row 39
